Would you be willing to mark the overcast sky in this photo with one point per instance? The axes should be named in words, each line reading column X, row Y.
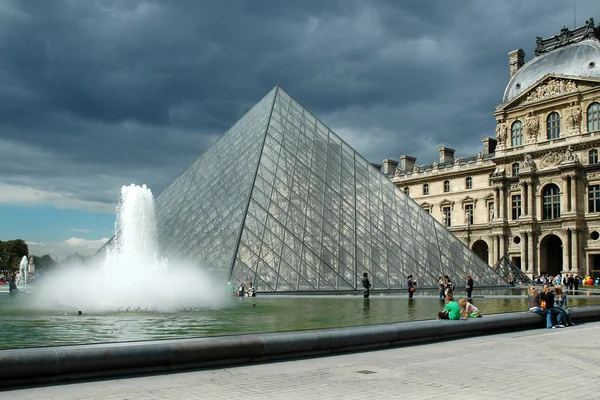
column 97, row 94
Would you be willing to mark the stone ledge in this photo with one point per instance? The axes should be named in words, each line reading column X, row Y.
column 26, row 367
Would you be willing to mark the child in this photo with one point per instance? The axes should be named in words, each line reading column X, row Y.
column 451, row 310
column 468, row 310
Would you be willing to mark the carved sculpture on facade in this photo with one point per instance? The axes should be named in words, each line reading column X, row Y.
column 436, row 165
column 554, row 158
column 501, row 132
column 457, row 160
column 480, row 156
column 573, row 119
column 532, row 127
column 566, row 36
column 554, row 87
column 528, row 163
column 416, row 168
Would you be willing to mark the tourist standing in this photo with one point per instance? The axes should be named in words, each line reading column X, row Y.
column 240, row 290
column 442, row 284
column 366, row 285
column 411, row 286
column 576, row 282
column 571, row 281
column 469, row 288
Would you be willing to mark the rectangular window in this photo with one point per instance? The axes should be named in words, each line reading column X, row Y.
column 593, row 156
column 594, row 198
column 447, row 216
column 515, row 169
column 516, row 206
column 469, row 214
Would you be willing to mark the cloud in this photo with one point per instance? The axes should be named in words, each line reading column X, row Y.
column 60, row 250
column 100, row 94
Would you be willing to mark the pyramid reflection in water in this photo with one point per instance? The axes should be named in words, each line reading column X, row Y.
column 282, row 201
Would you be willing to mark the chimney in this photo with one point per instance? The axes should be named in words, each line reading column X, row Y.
column 376, row 166
column 407, row 163
column 516, row 60
column 489, row 145
column 446, row 154
column 389, row 167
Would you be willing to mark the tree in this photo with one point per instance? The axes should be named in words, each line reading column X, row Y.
column 11, row 253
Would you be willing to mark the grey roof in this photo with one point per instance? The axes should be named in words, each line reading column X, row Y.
column 578, row 59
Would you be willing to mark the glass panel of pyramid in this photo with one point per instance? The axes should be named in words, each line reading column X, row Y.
column 303, row 212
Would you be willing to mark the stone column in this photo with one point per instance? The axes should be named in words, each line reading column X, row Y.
column 524, row 252
column 574, row 204
column 502, row 245
column 524, row 186
column 494, row 250
column 502, row 201
column 530, row 200
column 575, row 249
column 534, row 269
column 496, row 203
column 567, row 251
column 564, row 195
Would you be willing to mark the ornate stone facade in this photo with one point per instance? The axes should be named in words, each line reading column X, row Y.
column 534, row 192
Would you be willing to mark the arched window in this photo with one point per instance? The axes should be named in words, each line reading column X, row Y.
column 516, row 134
column 426, row 189
column 593, row 113
column 446, row 186
column 406, row 190
column 593, row 156
column 551, row 202
column 469, row 182
column 553, row 125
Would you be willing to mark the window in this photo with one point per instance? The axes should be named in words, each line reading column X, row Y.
column 515, row 169
column 551, row 202
column 553, row 126
column 469, row 214
column 593, row 156
column 447, row 216
column 516, row 206
column 469, row 182
column 425, row 189
column 446, row 186
column 516, row 134
column 593, row 114
column 491, row 210
column 407, row 190
column 594, row 198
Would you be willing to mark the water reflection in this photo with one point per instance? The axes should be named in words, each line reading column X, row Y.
column 411, row 309
column 366, row 309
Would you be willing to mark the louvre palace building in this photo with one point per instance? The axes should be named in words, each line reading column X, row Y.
column 533, row 192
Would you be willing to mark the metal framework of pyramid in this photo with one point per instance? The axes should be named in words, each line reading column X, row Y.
column 282, row 201
column 510, row 272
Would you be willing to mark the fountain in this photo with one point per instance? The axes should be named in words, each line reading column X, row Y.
column 23, row 272
column 132, row 276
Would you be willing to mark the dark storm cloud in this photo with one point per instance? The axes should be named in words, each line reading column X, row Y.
column 102, row 93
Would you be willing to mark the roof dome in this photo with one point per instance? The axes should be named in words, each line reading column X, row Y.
column 577, row 59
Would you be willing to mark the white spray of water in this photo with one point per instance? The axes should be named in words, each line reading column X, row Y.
column 132, row 276
column 23, row 272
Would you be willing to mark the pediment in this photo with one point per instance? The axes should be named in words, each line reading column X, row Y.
column 550, row 86
column 467, row 199
column 426, row 205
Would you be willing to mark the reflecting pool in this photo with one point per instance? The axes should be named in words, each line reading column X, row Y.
column 23, row 326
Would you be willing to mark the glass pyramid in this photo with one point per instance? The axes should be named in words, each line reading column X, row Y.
column 282, row 201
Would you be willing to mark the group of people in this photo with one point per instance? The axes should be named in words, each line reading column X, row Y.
column 12, row 282
column 462, row 309
column 241, row 290
column 551, row 303
column 447, row 286
column 568, row 282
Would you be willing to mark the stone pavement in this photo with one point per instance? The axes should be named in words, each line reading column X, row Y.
column 543, row 363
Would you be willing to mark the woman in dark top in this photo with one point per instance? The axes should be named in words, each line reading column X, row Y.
column 411, row 287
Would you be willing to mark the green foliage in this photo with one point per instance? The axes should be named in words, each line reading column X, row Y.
column 11, row 253
column 44, row 263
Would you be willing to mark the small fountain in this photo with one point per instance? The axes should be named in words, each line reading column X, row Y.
column 23, row 272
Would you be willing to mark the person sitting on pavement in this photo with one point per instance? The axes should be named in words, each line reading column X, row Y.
column 548, row 296
column 451, row 310
column 468, row 310
column 560, row 301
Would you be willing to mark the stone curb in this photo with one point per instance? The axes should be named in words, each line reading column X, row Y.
column 26, row 367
